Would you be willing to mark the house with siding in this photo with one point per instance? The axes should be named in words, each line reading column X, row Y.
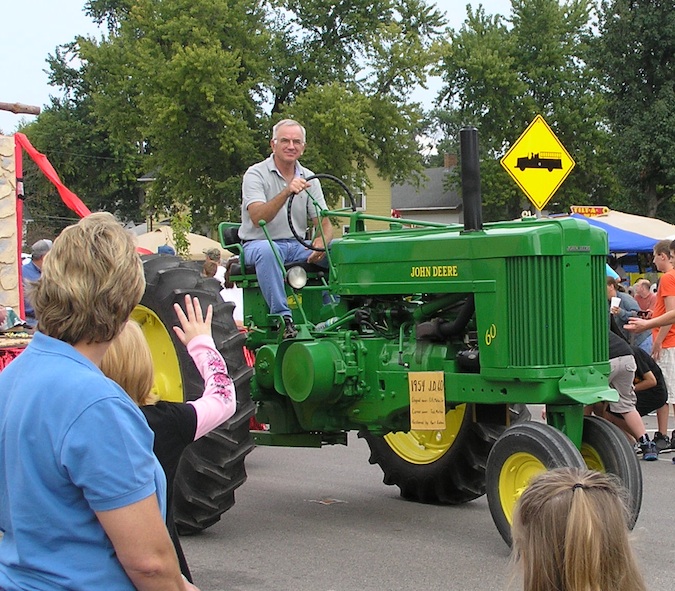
column 430, row 201
column 374, row 200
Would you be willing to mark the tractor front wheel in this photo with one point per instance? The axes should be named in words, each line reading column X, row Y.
column 520, row 454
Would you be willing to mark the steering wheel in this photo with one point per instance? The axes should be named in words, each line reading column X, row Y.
column 344, row 187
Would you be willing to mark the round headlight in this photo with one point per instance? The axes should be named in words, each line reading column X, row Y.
column 296, row 277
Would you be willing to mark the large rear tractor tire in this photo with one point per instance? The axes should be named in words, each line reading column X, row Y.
column 439, row 466
column 212, row 467
column 605, row 448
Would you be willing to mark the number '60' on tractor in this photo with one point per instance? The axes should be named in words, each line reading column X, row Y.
column 427, row 339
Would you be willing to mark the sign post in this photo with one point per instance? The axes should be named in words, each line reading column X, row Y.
column 538, row 162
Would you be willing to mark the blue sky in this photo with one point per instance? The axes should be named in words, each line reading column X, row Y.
column 31, row 29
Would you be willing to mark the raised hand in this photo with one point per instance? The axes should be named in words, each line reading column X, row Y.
column 194, row 323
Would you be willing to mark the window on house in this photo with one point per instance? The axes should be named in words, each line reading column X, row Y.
column 359, row 198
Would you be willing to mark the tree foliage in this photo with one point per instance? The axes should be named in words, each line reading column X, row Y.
column 191, row 88
column 101, row 171
column 635, row 53
column 498, row 74
column 180, row 79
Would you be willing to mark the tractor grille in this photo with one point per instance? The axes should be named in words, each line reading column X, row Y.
column 536, row 324
column 599, row 316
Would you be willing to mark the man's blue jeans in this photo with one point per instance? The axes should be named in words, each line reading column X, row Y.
column 270, row 276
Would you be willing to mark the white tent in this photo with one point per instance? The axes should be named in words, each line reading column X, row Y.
column 652, row 227
column 164, row 235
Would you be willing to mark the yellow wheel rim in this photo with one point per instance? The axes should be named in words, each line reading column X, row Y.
column 515, row 476
column 168, row 384
column 592, row 458
column 425, row 447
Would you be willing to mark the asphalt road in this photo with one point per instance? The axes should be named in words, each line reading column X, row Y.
column 322, row 520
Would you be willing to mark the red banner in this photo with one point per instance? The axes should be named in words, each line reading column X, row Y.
column 71, row 200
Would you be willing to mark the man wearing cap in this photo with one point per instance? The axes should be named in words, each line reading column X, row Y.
column 266, row 188
column 30, row 273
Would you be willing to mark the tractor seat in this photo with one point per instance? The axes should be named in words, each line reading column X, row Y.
column 230, row 237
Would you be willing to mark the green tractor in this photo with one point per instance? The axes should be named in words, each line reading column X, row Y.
column 427, row 339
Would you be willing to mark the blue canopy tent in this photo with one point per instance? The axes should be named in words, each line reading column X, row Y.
column 631, row 238
column 621, row 240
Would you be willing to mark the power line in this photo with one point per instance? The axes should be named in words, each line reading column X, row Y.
column 82, row 154
column 42, row 217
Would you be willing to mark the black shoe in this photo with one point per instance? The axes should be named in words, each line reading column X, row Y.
column 290, row 332
column 662, row 441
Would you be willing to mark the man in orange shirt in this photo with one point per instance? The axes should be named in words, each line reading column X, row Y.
column 663, row 347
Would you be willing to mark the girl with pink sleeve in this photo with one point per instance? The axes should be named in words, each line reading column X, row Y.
column 129, row 363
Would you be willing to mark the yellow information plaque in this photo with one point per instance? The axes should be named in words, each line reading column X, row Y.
column 427, row 400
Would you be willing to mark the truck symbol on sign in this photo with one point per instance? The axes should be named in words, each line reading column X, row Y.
column 547, row 160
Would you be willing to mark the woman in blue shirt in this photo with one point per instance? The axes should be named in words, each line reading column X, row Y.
column 81, row 494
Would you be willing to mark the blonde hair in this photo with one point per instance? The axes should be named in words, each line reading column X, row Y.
column 129, row 363
column 570, row 533
column 90, row 283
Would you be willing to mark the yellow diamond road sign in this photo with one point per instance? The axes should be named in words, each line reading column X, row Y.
column 538, row 162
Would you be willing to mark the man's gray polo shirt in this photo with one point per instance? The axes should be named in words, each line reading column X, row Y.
column 262, row 182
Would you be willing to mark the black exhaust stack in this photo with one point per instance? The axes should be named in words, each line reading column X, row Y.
column 471, row 197
column 439, row 329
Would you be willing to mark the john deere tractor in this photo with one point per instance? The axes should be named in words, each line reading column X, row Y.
column 427, row 339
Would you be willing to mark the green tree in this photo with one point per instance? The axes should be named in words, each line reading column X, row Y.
column 182, row 79
column 380, row 47
column 347, row 133
column 181, row 223
column 195, row 86
column 100, row 170
column 103, row 172
column 636, row 54
column 498, row 74
column 347, row 75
